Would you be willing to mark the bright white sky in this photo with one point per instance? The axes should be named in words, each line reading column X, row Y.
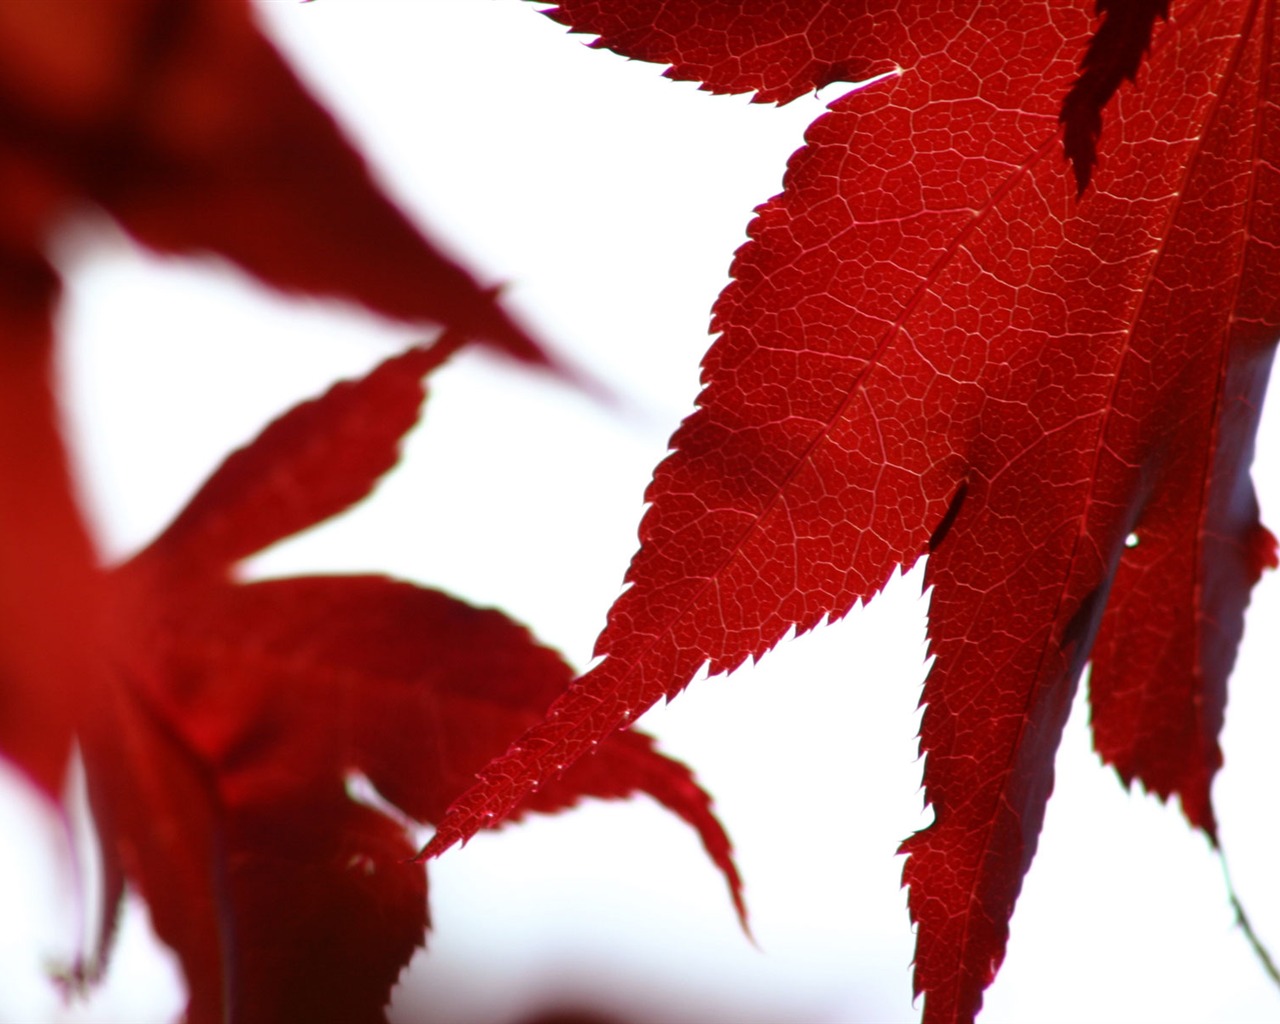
column 611, row 200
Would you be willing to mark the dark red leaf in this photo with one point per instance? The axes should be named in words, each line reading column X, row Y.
column 1114, row 53
column 931, row 346
column 156, row 812
column 220, row 758
column 221, row 723
column 277, row 903
column 222, row 782
column 48, row 596
column 184, row 122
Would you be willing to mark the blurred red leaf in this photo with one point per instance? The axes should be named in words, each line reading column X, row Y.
column 933, row 344
column 182, row 121
column 220, row 754
column 48, row 584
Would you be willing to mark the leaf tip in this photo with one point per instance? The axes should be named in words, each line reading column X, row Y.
column 440, row 842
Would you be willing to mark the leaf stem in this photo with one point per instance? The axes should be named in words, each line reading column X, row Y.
column 1242, row 919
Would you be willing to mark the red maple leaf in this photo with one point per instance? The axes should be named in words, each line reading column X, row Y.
column 222, row 722
column 935, row 343
column 234, row 716
column 183, row 123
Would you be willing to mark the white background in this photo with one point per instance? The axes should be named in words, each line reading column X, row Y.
column 611, row 200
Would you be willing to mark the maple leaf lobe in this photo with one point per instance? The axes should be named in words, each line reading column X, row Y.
column 313, row 462
column 185, row 123
column 1115, row 53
